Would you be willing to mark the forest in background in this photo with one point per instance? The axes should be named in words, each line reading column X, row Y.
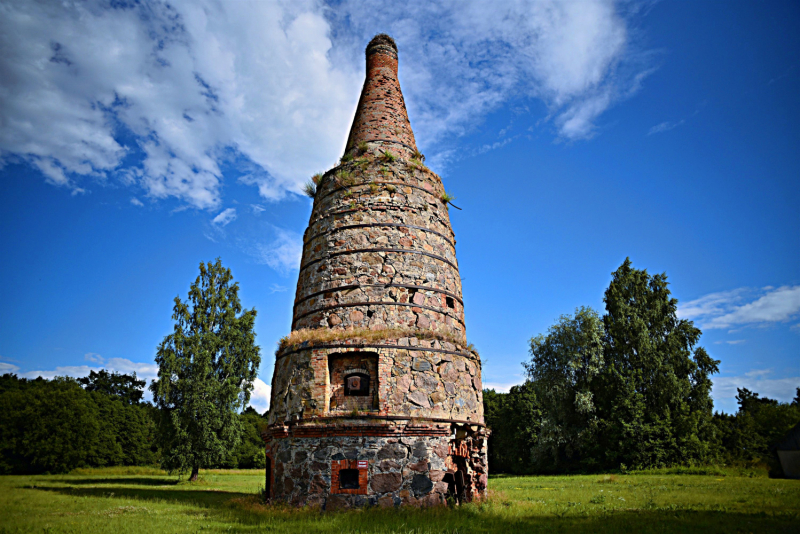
column 628, row 390
column 54, row 426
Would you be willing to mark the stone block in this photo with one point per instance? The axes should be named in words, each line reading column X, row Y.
column 386, row 482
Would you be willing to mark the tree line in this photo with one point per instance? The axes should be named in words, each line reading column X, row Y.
column 198, row 419
column 54, row 426
column 630, row 389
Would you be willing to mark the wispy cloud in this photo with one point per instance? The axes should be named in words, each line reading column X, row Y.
column 225, row 217
column 471, row 57
column 136, row 202
column 744, row 307
column 6, row 367
column 275, row 288
column 730, row 342
column 193, row 82
column 665, row 126
column 93, row 357
column 282, row 254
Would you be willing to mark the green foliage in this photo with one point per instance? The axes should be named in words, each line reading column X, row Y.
column 348, row 156
column 250, row 453
column 419, row 156
column 126, row 387
column 447, row 198
column 388, row 157
column 362, row 147
column 344, row 178
column 748, row 436
column 514, row 420
column 653, row 395
column 55, row 426
column 206, row 369
column 632, row 390
column 564, row 363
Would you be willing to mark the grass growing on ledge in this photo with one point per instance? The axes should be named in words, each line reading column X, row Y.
column 326, row 335
column 119, row 502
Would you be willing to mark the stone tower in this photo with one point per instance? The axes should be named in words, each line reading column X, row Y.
column 376, row 396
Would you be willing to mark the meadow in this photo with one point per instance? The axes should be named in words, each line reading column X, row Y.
column 120, row 500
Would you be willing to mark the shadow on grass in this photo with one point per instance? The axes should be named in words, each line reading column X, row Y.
column 244, row 512
column 123, row 481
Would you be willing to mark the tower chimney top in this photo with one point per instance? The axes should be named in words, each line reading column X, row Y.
column 382, row 43
column 381, row 115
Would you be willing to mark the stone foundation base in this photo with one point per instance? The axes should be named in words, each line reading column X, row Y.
column 401, row 467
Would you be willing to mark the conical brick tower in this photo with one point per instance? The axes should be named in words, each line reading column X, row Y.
column 376, row 396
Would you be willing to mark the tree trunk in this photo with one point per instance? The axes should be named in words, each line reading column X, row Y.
column 195, row 473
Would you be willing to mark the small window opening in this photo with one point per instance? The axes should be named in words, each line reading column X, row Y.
column 450, row 302
column 356, row 385
column 348, row 479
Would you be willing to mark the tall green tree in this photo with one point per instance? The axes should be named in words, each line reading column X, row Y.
column 563, row 366
column 654, row 393
column 514, row 419
column 206, row 369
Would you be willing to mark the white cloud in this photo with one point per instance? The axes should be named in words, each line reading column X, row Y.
column 460, row 60
column 283, row 254
column 225, row 217
column 744, row 307
column 730, row 342
column 188, row 80
column 501, row 387
column 136, row 202
column 665, row 127
column 6, row 367
column 93, row 357
column 275, row 84
column 259, row 398
column 145, row 371
column 757, row 380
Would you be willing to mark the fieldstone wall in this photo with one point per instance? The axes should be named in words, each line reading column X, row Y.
column 417, row 470
column 379, row 252
column 417, row 378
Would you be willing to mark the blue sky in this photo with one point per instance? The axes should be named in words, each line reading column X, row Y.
column 139, row 140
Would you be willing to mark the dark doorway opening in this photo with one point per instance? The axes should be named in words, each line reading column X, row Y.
column 348, row 479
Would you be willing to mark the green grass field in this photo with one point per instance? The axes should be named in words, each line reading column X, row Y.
column 147, row 500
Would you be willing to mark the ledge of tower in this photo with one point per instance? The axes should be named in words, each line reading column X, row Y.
column 381, row 115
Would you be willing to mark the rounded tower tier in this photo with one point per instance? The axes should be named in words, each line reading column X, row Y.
column 376, row 379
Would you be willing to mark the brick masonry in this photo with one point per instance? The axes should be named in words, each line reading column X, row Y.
column 379, row 253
